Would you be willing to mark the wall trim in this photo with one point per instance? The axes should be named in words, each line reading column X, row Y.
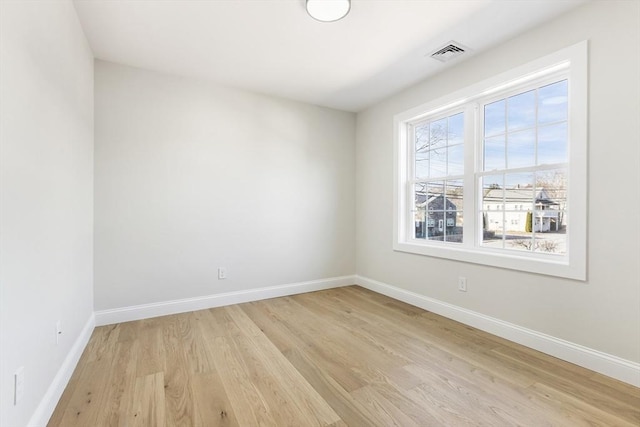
column 607, row 364
column 146, row 311
column 50, row 399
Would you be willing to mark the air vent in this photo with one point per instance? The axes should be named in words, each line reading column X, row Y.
column 449, row 51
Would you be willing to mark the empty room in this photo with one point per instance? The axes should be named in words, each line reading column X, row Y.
column 319, row 213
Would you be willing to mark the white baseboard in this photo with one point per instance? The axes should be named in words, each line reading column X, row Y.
column 595, row 360
column 612, row 366
column 48, row 403
column 146, row 311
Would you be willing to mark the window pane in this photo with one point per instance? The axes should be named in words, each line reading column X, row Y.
column 518, row 205
column 492, row 230
column 492, row 210
column 422, row 165
column 454, row 193
column 522, row 181
column 518, row 196
column 494, row 118
column 493, row 214
column 456, row 160
column 552, row 144
column 435, row 191
column 522, row 110
column 438, row 163
column 438, row 134
column 454, row 226
column 521, row 149
column 494, row 153
column 553, row 186
column 550, row 220
column 492, row 192
column 421, row 151
column 419, row 218
column 422, row 138
column 453, row 206
column 520, row 243
column 435, row 225
column 435, row 208
column 552, row 102
column 439, row 147
column 551, row 243
column 456, row 129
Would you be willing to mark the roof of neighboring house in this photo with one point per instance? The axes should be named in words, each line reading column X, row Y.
column 421, row 199
column 518, row 195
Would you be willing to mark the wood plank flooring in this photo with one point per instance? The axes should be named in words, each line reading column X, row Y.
column 342, row 357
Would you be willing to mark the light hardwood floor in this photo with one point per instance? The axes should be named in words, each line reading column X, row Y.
column 345, row 356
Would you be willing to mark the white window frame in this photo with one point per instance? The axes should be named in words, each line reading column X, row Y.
column 570, row 61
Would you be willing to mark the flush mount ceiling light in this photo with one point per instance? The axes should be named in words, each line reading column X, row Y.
column 328, row 10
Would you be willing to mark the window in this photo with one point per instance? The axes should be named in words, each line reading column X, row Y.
column 524, row 159
column 438, row 169
column 496, row 173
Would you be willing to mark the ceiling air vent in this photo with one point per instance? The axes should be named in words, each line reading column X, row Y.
column 449, row 51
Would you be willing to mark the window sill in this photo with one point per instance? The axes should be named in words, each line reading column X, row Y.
column 550, row 265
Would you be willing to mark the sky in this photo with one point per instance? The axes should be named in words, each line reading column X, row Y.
column 525, row 130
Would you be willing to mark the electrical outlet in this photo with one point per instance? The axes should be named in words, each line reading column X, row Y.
column 18, row 385
column 462, row 284
column 58, row 331
column 222, row 273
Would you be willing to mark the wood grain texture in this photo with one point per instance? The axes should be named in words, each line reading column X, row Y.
column 341, row 357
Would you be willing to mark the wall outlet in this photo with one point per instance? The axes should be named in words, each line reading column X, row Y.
column 18, row 385
column 462, row 284
column 222, row 273
column 58, row 331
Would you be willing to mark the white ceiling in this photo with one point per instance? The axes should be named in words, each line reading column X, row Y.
column 274, row 47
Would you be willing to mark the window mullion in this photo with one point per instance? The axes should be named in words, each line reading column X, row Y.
column 471, row 126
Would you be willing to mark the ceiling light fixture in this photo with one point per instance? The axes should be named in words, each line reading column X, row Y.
column 328, row 10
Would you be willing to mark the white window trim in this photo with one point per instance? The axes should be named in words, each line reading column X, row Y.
column 574, row 264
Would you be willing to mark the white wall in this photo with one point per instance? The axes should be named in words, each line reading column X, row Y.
column 601, row 314
column 46, row 167
column 190, row 176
